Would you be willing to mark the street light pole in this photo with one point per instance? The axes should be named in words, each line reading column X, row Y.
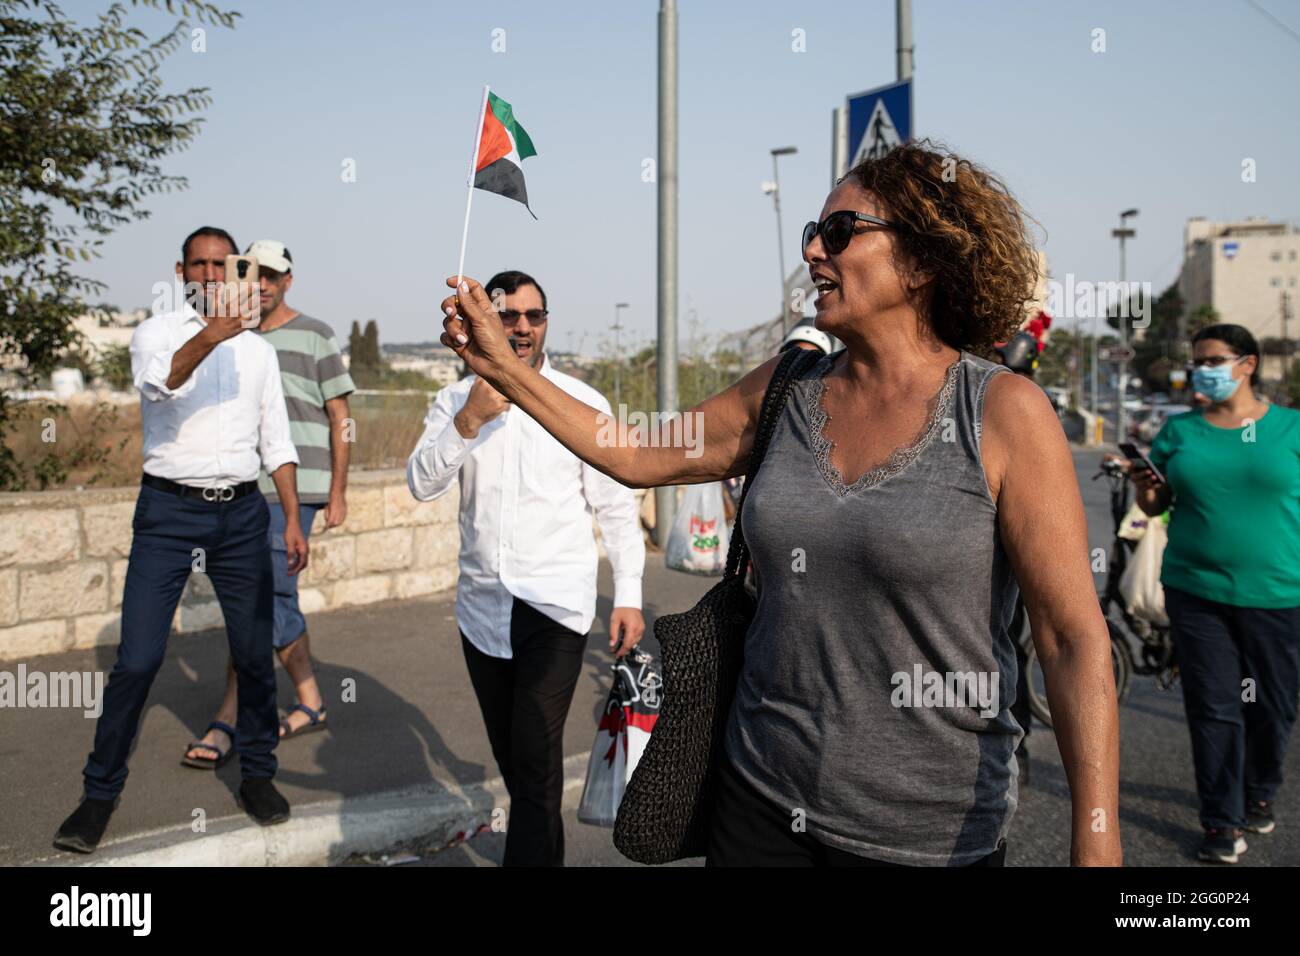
column 1096, row 383
column 775, row 190
column 1121, row 318
column 666, row 370
column 903, row 29
column 618, row 355
column 1286, row 340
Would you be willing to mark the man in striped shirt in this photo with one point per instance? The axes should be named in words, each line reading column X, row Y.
column 316, row 387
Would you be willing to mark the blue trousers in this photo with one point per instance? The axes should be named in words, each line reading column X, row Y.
column 231, row 537
column 1238, row 746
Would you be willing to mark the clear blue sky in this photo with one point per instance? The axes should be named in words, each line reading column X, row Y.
column 1160, row 121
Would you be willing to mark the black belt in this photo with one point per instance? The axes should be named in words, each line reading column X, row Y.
column 228, row 493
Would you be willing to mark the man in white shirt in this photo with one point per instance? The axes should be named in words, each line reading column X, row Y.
column 212, row 410
column 526, row 597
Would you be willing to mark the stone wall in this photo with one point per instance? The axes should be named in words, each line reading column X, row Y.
column 63, row 557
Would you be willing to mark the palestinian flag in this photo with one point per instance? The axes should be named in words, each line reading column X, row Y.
column 502, row 136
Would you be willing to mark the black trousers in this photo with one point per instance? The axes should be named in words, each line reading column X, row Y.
column 746, row 829
column 1239, row 739
column 525, row 701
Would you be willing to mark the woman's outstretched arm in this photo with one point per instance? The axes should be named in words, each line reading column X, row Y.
column 706, row 443
column 1040, row 518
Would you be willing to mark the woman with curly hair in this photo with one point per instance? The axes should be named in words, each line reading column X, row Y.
column 872, row 723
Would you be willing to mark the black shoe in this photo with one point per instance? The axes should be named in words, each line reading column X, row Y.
column 82, row 831
column 1221, row 846
column 1259, row 817
column 261, row 801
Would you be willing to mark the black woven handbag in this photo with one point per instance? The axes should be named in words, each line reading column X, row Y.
column 664, row 815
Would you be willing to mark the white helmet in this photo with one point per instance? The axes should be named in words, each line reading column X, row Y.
column 807, row 332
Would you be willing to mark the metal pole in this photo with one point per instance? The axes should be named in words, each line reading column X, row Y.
column 1092, row 400
column 780, row 233
column 1286, row 339
column 618, row 359
column 905, row 48
column 666, row 373
column 780, row 246
column 839, row 143
column 618, row 354
column 1121, row 319
column 1121, row 414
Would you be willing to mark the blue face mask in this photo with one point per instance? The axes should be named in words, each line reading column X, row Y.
column 1216, row 384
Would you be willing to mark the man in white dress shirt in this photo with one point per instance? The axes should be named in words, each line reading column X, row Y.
column 526, row 597
column 212, row 410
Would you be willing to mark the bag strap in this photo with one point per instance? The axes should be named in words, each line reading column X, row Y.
column 791, row 366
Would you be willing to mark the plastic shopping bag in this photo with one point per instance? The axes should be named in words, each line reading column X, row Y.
column 1135, row 523
column 621, row 737
column 699, row 539
column 1140, row 584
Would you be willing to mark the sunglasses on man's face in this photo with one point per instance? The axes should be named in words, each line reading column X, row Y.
column 837, row 229
column 509, row 317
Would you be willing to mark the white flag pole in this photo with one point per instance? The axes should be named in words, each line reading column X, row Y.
column 469, row 192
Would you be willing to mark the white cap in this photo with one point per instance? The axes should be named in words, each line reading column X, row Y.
column 807, row 332
column 272, row 254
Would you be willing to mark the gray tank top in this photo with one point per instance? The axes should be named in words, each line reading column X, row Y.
column 879, row 671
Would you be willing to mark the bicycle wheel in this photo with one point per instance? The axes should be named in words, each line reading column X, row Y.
column 1121, row 661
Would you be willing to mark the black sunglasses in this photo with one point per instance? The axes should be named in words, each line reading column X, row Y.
column 837, row 229
column 509, row 317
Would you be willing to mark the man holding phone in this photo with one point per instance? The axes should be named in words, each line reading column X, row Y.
column 212, row 410
column 527, row 590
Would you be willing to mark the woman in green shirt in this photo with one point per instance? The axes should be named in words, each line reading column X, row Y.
column 1231, row 576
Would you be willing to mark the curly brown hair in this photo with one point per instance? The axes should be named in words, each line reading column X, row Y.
column 959, row 222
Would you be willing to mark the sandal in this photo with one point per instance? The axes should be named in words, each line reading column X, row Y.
column 202, row 763
column 317, row 722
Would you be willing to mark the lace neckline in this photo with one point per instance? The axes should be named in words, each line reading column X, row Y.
column 899, row 459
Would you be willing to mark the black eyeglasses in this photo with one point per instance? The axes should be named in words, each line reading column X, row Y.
column 837, row 229
column 1214, row 361
column 509, row 317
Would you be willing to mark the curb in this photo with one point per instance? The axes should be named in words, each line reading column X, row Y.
column 318, row 834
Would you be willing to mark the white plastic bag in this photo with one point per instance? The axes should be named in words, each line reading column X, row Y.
column 1135, row 523
column 1140, row 583
column 699, row 539
column 621, row 737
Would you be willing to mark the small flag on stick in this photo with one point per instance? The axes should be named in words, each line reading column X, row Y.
column 502, row 136
column 498, row 136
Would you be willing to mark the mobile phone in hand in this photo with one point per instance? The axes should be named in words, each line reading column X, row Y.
column 1132, row 453
column 241, row 271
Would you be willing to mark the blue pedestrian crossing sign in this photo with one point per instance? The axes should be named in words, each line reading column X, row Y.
column 879, row 120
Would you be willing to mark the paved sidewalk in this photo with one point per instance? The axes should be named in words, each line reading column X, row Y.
column 414, row 735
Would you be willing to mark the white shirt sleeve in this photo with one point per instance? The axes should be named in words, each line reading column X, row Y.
column 153, row 345
column 620, row 528
column 274, row 441
column 441, row 450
